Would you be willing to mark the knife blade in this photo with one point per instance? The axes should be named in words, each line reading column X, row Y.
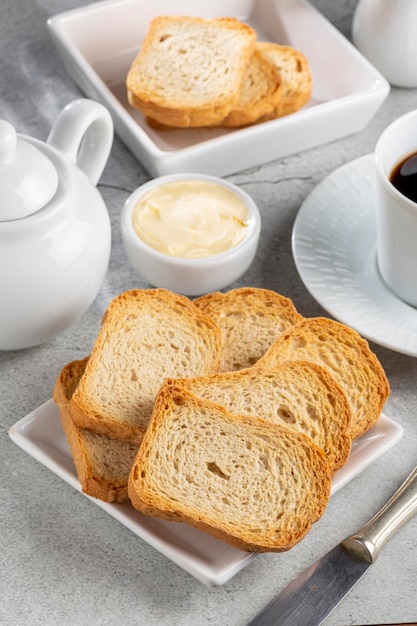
column 311, row 597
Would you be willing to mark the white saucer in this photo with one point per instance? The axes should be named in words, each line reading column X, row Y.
column 334, row 248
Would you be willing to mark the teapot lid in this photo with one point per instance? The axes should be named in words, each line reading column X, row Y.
column 28, row 179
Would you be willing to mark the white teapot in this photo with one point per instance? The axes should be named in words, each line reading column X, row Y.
column 55, row 233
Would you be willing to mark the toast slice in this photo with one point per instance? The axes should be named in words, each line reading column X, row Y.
column 348, row 358
column 253, row 484
column 189, row 71
column 146, row 336
column 102, row 464
column 261, row 89
column 296, row 394
column 250, row 320
column 296, row 79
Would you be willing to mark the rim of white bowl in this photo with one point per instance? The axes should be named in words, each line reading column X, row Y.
column 254, row 221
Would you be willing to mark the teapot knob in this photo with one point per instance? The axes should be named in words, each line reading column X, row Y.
column 8, row 141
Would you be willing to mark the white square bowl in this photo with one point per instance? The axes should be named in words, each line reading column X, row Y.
column 98, row 43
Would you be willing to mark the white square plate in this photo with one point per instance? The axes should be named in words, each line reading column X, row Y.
column 206, row 558
column 98, row 42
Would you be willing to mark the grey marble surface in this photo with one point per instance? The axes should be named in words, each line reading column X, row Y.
column 63, row 560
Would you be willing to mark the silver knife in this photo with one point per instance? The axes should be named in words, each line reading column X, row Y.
column 311, row 597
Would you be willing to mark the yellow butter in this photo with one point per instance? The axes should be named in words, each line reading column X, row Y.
column 191, row 219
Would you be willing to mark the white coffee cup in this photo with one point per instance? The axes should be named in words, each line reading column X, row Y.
column 396, row 213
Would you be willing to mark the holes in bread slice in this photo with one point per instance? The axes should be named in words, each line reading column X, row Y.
column 264, row 463
column 215, row 469
column 286, row 415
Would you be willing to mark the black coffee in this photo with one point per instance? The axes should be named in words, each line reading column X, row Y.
column 404, row 176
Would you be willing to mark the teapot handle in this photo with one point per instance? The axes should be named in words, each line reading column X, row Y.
column 83, row 132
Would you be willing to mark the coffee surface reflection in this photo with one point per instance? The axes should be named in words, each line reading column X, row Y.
column 404, row 176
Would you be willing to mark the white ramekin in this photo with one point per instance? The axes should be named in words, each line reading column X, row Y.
column 190, row 277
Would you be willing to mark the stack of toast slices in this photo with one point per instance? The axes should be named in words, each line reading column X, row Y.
column 230, row 412
column 195, row 72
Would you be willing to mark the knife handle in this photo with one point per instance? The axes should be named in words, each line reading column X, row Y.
column 369, row 540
